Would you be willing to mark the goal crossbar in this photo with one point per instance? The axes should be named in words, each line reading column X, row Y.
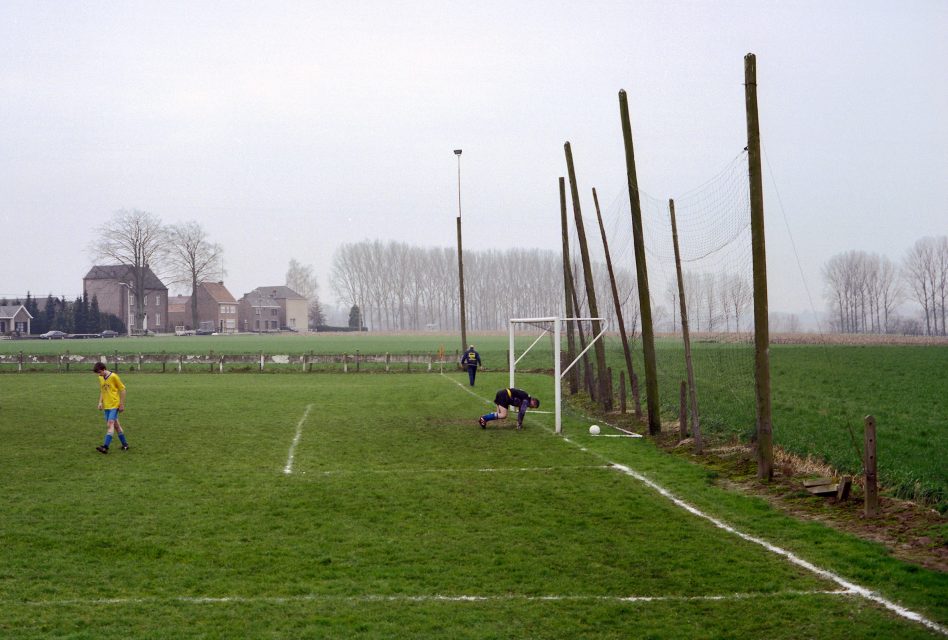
column 557, row 365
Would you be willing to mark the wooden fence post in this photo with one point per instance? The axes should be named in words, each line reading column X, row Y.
column 19, row 362
column 357, row 360
column 622, row 393
column 869, row 462
column 635, row 396
column 610, row 389
column 683, row 410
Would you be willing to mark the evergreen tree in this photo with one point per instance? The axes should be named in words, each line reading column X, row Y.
column 95, row 316
column 79, row 316
column 49, row 313
column 355, row 318
column 32, row 307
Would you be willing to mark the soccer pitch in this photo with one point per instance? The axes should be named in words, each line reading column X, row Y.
column 373, row 506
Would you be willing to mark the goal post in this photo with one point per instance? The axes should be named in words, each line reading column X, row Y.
column 547, row 325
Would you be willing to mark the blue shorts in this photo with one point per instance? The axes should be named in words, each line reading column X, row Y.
column 111, row 414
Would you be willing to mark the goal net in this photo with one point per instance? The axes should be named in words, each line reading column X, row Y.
column 551, row 328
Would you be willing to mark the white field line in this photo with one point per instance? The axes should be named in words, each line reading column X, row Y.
column 288, row 469
column 790, row 556
column 456, row 470
column 423, row 598
column 489, row 402
column 847, row 586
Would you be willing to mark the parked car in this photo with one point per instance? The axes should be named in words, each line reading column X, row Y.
column 54, row 335
column 204, row 332
column 108, row 333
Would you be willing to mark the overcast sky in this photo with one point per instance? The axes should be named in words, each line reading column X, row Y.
column 289, row 128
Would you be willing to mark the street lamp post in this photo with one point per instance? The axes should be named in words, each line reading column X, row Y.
column 457, row 152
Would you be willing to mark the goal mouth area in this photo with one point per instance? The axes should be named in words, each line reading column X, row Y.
column 546, row 325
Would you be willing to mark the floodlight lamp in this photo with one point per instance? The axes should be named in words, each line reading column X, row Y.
column 457, row 152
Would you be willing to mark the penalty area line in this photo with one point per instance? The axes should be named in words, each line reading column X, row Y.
column 288, row 469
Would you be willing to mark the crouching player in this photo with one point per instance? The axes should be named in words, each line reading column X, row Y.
column 506, row 397
column 112, row 402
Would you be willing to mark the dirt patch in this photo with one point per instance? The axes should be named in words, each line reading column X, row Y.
column 910, row 532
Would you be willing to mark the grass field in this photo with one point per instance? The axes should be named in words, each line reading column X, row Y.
column 292, row 506
column 821, row 393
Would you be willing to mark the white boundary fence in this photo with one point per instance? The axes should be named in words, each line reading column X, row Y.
column 346, row 363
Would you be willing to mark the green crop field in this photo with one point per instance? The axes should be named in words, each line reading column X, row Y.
column 821, row 393
column 372, row 506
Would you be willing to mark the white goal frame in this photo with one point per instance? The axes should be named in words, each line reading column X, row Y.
column 557, row 323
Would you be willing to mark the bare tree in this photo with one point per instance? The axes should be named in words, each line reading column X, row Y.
column 889, row 291
column 136, row 239
column 941, row 286
column 740, row 295
column 193, row 259
column 921, row 274
column 301, row 279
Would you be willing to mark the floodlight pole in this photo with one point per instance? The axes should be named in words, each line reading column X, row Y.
column 457, row 152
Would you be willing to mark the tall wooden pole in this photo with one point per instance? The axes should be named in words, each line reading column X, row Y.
column 615, row 289
column 686, row 335
column 765, row 447
column 599, row 347
column 457, row 152
column 586, row 377
column 641, row 272
column 567, row 288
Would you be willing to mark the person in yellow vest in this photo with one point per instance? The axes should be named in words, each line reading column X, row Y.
column 112, row 402
column 506, row 397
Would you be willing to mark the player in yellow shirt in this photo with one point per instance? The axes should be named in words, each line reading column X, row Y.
column 112, row 402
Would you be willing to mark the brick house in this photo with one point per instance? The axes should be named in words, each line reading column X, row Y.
column 179, row 311
column 112, row 286
column 14, row 319
column 272, row 309
column 216, row 306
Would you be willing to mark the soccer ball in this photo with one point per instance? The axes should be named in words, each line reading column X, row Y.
column 594, row 430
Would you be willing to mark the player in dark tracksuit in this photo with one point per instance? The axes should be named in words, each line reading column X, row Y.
column 472, row 360
column 504, row 399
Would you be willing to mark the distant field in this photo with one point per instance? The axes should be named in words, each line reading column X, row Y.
column 820, row 391
column 372, row 506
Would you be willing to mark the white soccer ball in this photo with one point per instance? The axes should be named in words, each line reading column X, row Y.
column 594, row 430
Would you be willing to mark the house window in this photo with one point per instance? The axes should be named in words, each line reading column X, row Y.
column 273, row 312
column 257, row 311
column 230, row 323
column 157, row 319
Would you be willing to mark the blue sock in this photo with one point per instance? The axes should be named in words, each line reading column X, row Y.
column 108, row 440
column 122, row 438
column 490, row 416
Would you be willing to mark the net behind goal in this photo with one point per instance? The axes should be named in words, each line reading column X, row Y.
column 551, row 327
